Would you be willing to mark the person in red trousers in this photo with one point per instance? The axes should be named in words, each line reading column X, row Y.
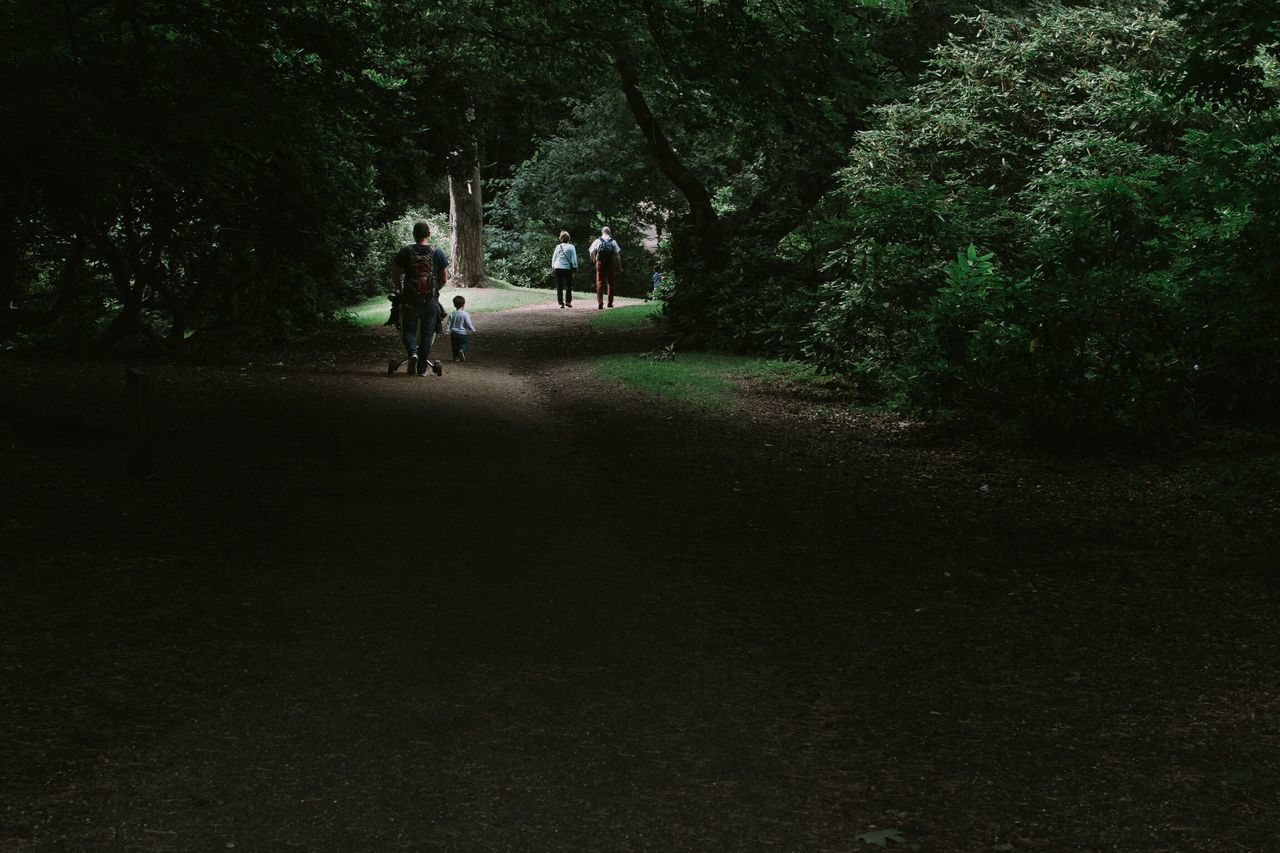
column 607, row 254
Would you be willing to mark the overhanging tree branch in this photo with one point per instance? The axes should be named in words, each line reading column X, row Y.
column 705, row 221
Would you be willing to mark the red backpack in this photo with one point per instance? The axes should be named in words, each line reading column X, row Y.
column 421, row 277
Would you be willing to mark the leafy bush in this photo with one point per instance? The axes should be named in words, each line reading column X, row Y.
column 1112, row 236
column 592, row 171
column 189, row 178
column 1226, row 257
column 381, row 244
column 520, row 256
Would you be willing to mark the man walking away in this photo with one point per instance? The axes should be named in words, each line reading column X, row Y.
column 607, row 254
column 425, row 271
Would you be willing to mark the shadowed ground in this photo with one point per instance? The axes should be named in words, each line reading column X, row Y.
column 514, row 608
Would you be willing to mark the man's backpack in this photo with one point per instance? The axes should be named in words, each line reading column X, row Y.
column 606, row 252
column 422, row 274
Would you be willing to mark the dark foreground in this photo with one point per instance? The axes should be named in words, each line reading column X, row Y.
column 512, row 609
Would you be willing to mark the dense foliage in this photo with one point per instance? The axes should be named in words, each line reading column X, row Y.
column 1060, row 215
column 178, row 171
column 591, row 171
column 1048, row 231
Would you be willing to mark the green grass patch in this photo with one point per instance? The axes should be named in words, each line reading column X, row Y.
column 371, row 312
column 626, row 317
column 705, row 380
column 501, row 297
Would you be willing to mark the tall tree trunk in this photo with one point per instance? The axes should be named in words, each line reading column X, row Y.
column 466, row 218
column 706, row 224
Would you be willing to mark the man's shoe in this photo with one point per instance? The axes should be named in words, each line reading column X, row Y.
column 413, row 365
column 436, row 368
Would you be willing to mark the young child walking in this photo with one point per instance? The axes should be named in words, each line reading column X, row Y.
column 459, row 325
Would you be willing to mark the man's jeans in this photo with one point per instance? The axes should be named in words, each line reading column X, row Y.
column 418, row 325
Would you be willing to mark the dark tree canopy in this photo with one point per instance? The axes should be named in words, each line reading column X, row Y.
column 204, row 164
column 177, row 172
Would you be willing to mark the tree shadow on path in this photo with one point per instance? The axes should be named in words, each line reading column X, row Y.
column 516, row 608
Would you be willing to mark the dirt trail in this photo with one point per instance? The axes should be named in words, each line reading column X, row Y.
column 512, row 608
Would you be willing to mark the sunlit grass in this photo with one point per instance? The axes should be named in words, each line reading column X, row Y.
column 371, row 312
column 501, row 297
column 626, row 316
column 705, row 380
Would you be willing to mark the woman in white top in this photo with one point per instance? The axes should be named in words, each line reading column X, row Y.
column 564, row 260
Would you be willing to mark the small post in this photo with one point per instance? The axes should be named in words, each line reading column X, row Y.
column 139, row 444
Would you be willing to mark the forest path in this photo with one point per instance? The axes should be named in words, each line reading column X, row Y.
column 617, row 624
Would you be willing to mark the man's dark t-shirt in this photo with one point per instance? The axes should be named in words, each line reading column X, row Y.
column 438, row 264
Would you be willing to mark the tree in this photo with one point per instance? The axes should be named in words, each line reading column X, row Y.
column 1044, row 231
column 466, row 223
column 759, row 132
column 593, row 170
column 208, row 173
column 1225, row 39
